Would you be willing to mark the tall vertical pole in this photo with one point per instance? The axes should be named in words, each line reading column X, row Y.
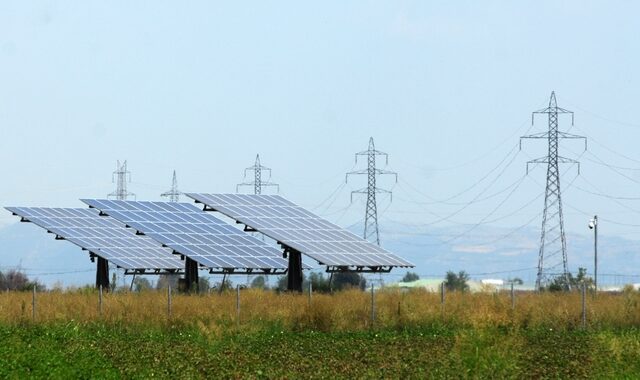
column 595, row 254
column 371, row 231
column 552, row 256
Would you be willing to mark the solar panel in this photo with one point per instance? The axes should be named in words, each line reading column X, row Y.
column 301, row 230
column 104, row 237
column 187, row 230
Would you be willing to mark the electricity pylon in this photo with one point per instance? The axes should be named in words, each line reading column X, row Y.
column 371, row 232
column 552, row 257
column 123, row 176
column 257, row 182
column 173, row 194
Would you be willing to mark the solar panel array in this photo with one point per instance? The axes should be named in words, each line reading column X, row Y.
column 103, row 236
column 300, row 229
column 187, row 230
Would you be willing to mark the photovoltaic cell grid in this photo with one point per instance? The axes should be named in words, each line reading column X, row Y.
column 300, row 229
column 103, row 236
column 188, row 230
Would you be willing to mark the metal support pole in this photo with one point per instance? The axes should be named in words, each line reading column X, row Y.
column 373, row 305
column 33, row 303
column 584, row 305
column 513, row 298
column 310, row 291
column 294, row 273
column 133, row 279
column 169, row 301
column 238, row 303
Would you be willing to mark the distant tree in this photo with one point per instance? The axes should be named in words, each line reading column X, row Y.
column 17, row 280
column 260, row 282
column 340, row 281
column 562, row 283
column 204, row 285
column 344, row 280
column 457, row 282
column 226, row 285
column 113, row 283
column 319, row 283
column 410, row 277
column 282, row 286
column 141, row 284
column 515, row 280
column 164, row 280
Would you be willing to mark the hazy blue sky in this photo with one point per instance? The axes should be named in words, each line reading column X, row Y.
column 446, row 88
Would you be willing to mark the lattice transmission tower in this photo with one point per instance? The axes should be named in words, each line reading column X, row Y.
column 173, row 194
column 371, row 232
column 552, row 257
column 121, row 176
column 258, row 183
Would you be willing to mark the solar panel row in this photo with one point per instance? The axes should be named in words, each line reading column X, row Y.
column 202, row 237
column 103, row 236
column 165, row 228
column 300, row 229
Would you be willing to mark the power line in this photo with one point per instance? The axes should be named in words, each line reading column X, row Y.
column 476, row 183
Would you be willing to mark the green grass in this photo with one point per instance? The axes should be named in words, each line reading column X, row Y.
column 118, row 350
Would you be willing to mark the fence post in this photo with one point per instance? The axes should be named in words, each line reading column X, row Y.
column 513, row 298
column 442, row 297
column 100, row 300
column 238, row 303
column 169, row 301
column 584, row 305
column 33, row 303
column 373, row 306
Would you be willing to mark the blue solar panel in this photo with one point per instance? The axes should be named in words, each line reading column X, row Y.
column 202, row 237
column 300, row 229
column 103, row 236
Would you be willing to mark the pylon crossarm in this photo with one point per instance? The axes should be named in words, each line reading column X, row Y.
column 541, row 135
column 382, row 171
column 552, row 110
column 541, row 160
column 364, row 171
column 565, row 160
column 361, row 191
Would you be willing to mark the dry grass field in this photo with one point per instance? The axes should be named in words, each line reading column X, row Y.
column 342, row 311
